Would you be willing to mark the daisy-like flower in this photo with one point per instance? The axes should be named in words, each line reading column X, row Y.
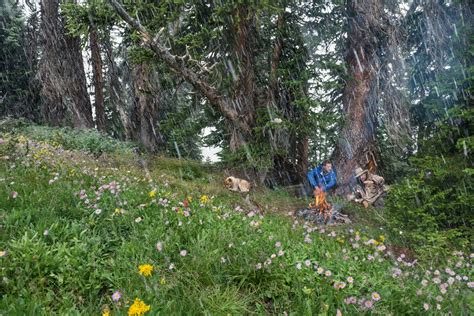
column 46, row 232
column 159, row 246
column 138, row 219
column 339, row 285
column 14, row 194
column 470, row 285
column 376, row 296
column 328, row 273
column 298, row 266
column 152, row 193
column 3, row 253
column 145, row 269
column 424, row 282
column 368, row 304
column 307, row 263
column 258, row 266
column 320, row 270
column 280, row 253
column 171, row 267
column 278, row 244
column 116, row 296
column 98, row 211
column 426, row 306
column 350, row 279
column 183, row 253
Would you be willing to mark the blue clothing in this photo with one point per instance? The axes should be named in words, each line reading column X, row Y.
column 317, row 177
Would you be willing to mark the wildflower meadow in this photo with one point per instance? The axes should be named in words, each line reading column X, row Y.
column 89, row 235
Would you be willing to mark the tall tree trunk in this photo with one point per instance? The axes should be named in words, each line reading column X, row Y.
column 367, row 22
column 146, row 107
column 116, row 89
column 62, row 72
column 98, row 80
column 244, row 94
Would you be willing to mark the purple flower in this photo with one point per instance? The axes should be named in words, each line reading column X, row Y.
column 116, row 296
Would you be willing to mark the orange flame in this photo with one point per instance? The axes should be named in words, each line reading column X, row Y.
column 320, row 202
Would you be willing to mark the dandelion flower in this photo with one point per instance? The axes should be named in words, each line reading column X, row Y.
column 204, row 199
column 376, row 296
column 152, row 193
column 145, row 269
column 138, row 308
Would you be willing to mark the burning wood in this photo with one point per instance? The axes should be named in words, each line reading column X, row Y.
column 320, row 203
column 321, row 212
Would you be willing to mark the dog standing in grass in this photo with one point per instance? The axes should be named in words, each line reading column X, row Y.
column 236, row 184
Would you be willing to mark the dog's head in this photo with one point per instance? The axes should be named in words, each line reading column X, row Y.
column 229, row 181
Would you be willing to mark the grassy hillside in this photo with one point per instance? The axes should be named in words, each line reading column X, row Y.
column 90, row 227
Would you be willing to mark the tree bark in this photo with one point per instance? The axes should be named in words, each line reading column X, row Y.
column 365, row 39
column 146, row 108
column 98, row 79
column 116, row 89
column 62, row 72
column 244, row 93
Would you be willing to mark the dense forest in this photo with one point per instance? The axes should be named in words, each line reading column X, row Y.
column 275, row 87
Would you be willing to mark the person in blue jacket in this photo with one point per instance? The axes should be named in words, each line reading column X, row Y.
column 323, row 176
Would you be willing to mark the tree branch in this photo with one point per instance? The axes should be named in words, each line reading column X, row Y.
column 221, row 103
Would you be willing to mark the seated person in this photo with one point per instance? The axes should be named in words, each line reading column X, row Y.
column 370, row 187
column 322, row 177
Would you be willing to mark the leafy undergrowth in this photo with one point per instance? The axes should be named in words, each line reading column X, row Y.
column 86, row 235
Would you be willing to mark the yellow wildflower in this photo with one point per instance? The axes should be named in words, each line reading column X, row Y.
column 340, row 240
column 138, row 308
column 145, row 269
column 106, row 312
column 22, row 139
column 190, row 198
column 382, row 238
column 152, row 193
column 204, row 199
column 162, row 281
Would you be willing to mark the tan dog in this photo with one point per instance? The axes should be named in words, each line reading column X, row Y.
column 236, row 184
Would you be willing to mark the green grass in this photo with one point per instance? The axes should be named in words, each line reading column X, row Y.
column 87, row 255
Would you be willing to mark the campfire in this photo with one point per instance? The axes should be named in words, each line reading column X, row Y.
column 321, row 212
column 320, row 204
